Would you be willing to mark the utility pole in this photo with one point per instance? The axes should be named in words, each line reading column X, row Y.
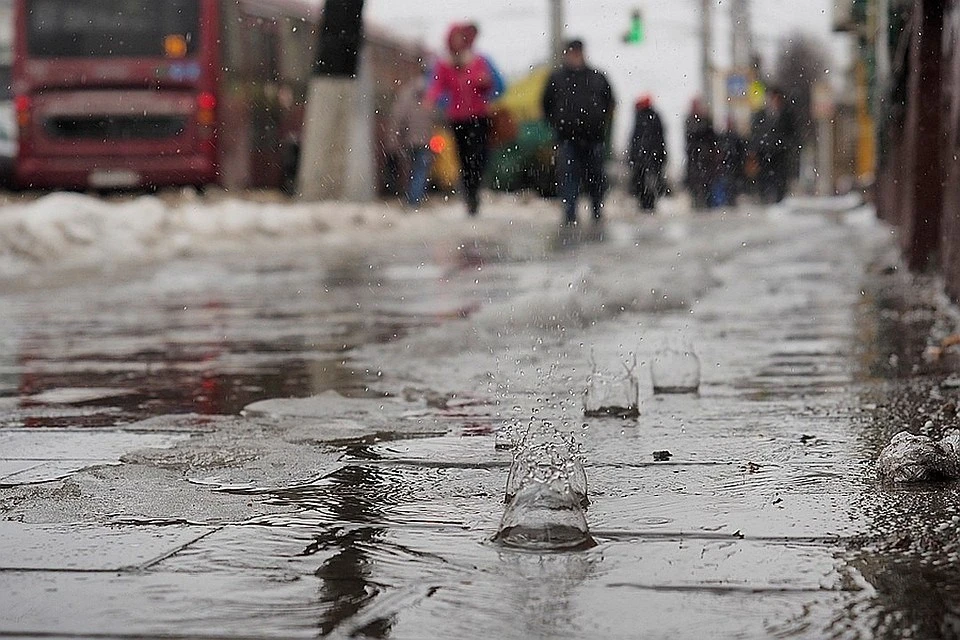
column 332, row 104
column 706, row 44
column 741, row 42
column 882, row 49
column 556, row 30
column 742, row 33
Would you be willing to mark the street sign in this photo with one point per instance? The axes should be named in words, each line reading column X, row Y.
column 736, row 85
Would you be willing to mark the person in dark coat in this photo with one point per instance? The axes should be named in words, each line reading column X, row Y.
column 578, row 104
column 701, row 151
column 769, row 148
column 647, row 154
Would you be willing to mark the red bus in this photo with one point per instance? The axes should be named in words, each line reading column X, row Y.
column 128, row 94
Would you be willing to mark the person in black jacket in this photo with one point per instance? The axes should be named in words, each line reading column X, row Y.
column 647, row 154
column 732, row 149
column 578, row 103
column 701, row 151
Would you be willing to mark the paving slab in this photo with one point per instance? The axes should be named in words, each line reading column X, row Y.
column 87, row 547
column 33, row 455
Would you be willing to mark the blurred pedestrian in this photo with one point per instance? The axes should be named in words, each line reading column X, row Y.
column 578, row 104
column 732, row 150
column 647, row 154
column 701, row 152
column 464, row 84
column 411, row 125
column 769, row 147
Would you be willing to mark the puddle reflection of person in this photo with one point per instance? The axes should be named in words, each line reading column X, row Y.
column 353, row 496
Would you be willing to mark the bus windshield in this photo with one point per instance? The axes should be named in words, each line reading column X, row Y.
column 112, row 28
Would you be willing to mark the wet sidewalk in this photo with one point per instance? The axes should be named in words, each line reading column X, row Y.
column 367, row 510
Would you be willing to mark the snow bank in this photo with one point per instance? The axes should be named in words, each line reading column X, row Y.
column 70, row 230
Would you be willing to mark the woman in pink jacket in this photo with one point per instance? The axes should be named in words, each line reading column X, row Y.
column 463, row 86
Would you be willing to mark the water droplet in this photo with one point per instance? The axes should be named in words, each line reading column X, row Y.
column 545, row 514
column 612, row 394
column 675, row 368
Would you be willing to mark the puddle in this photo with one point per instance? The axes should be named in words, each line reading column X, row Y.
column 141, row 350
column 216, row 387
column 430, row 498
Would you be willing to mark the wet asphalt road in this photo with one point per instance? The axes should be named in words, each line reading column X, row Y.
column 301, row 443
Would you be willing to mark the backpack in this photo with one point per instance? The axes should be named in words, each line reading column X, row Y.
column 499, row 84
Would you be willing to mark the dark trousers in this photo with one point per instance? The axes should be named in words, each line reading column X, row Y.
column 772, row 178
column 471, row 136
column 581, row 163
column 647, row 183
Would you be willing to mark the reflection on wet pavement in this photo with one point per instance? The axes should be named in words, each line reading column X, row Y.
column 216, row 345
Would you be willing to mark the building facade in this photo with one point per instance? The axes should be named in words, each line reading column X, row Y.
column 912, row 52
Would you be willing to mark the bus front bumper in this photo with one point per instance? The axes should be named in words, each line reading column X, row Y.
column 104, row 172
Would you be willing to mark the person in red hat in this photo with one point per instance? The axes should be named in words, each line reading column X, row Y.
column 463, row 85
column 647, row 154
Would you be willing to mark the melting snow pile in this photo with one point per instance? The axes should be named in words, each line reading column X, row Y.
column 71, row 229
column 68, row 230
column 914, row 458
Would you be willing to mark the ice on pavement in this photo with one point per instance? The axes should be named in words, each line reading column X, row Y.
column 77, row 395
column 649, row 286
column 326, row 403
